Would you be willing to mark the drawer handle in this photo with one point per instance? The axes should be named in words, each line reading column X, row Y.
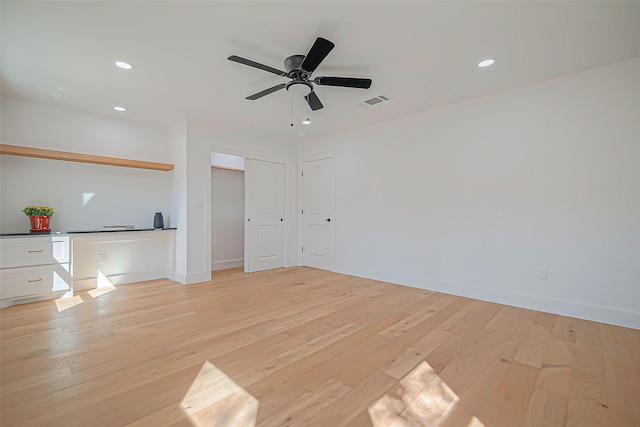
column 33, row 281
column 34, row 252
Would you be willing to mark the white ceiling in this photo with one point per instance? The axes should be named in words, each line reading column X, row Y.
column 422, row 55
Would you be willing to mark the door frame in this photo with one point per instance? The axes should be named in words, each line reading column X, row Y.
column 301, row 161
column 257, row 155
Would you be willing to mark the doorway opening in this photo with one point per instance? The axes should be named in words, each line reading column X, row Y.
column 227, row 212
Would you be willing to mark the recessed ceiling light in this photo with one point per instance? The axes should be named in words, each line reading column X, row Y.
column 124, row 65
column 119, row 108
column 306, row 121
column 486, row 63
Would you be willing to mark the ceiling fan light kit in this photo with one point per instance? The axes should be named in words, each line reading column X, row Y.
column 299, row 68
column 299, row 88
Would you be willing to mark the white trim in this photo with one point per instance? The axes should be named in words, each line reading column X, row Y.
column 180, row 277
column 223, row 265
column 191, row 278
column 119, row 279
column 204, row 276
column 8, row 302
column 614, row 316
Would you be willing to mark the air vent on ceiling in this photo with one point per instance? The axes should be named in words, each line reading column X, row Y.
column 378, row 99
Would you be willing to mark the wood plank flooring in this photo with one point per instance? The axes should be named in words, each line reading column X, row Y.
column 305, row 347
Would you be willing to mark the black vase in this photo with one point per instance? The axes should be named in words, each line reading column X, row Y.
column 158, row 220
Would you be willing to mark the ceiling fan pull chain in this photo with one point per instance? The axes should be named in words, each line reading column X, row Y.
column 291, row 99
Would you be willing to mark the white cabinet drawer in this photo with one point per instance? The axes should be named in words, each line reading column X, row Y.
column 25, row 281
column 18, row 252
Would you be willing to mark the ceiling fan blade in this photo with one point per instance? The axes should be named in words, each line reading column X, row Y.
column 266, row 92
column 320, row 49
column 254, row 64
column 344, row 82
column 314, row 101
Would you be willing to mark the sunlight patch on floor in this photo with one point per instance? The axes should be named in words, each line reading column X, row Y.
column 214, row 399
column 66, row 303
column 475, row 423
column 95, row 293
column 421, row 400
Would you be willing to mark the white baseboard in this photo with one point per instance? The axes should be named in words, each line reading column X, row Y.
column 117, row 280
column 8, row 302
column 180, row 277
column 191, row 278
column 223, row 265
column 614, row 316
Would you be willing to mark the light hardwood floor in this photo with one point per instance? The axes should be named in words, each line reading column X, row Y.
column 306, row 347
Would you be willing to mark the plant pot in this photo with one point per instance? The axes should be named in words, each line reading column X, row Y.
column 39, row 223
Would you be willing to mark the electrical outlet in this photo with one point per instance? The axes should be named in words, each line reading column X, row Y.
column 102, row 258
column 542, row 273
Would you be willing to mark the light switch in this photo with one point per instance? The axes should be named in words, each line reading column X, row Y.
column 542, row 273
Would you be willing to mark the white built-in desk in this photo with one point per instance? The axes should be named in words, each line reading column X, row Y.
column 36, row 266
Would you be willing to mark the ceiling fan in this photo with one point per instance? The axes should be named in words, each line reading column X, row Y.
column 299, row 69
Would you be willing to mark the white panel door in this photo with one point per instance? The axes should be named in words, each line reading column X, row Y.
column 317, row 213
column 264, row 183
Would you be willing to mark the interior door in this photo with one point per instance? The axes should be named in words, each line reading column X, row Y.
column 317, row 213
column 265, row 192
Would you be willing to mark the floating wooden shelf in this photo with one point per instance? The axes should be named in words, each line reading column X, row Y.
column 15, row 150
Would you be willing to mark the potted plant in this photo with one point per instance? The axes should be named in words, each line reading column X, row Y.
column 39, row 217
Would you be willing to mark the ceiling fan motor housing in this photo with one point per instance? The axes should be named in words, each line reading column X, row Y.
column 293, row 62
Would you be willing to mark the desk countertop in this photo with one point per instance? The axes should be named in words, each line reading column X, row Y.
column 64, row 233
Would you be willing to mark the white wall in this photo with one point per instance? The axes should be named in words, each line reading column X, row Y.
column 85, row 196
column 54, row 127
column 227, row 219
column 473, row 200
